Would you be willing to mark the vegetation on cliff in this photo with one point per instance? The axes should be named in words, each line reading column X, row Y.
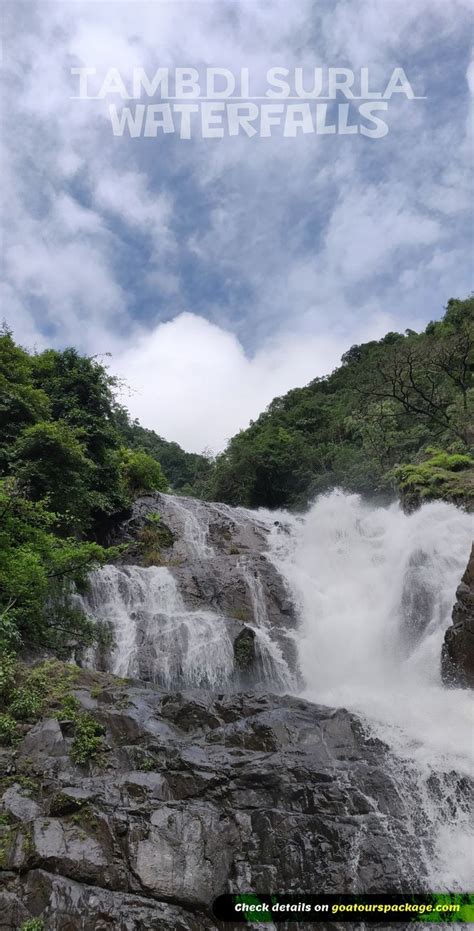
column 186, row 472
column 65, row 473
column 379, row 423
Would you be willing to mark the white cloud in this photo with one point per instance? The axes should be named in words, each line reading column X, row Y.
column 369, row 225
column 192, row 381
column 125, row 195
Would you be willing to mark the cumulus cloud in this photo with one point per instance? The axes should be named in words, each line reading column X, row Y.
column 193, row 381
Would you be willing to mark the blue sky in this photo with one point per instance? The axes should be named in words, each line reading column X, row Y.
column 220, row 273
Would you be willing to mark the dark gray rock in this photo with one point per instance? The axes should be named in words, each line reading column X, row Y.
column 16, row 803
column 199, row 794
column 244, row 649
column 457, row 656
column 218, row 554
column 66, row 905
column 44, row 741
column 418, row 599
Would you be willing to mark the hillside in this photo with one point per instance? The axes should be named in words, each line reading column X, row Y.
column 184, row 471
column 396, row 416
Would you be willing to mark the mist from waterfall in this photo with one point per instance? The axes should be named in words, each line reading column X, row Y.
column 375, row 589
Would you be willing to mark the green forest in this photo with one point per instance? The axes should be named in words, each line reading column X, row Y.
column 395, row 418
column 67, row 473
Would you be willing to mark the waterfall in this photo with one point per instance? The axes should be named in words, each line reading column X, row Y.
column 193, row 527
column 156, row 637
column 375, row 589
column 160, row 638
column 272, row 661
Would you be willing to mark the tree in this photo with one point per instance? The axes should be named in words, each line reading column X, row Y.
column 81, row 394
column 50, row 465
column 387, row 401
column 184, row 470
column 21, row 402
column 428, row 375
column 39, row 573
column 142, row 473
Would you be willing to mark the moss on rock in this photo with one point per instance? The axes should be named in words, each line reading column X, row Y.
column 244, row 648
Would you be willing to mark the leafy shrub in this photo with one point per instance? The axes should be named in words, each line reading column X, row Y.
column 453, row 462
column 8, row 729
column 442, row 475
column 7, row 672
column 146, row 765
column 26, row 703
column 153, row 538
column 69, row 708
column 142, row 473
column 37, row 689
column 87, row 742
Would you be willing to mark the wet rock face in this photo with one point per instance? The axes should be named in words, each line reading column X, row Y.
column 218, row 557
column 217, row 554
column 418, row 599
column 197, row 794
column 457, row 657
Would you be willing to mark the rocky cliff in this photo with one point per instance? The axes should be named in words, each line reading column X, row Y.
column 195, row 573
column 192, row 794
column 457, row 658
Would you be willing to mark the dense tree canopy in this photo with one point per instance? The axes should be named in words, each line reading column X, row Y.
column 388, row 403
column 65, row 471
column 185, row 471
column 38, row 572
column 71, row 464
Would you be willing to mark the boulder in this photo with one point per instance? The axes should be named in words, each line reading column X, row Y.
column 457, row 656
column 244, row 649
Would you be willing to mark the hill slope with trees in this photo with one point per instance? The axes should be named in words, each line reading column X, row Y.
column 397, row 415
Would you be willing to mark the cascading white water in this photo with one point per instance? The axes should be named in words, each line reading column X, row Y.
column 193, row 521
column 156, row 636
column 272, row 661
column 375, row 589
column 159, row 638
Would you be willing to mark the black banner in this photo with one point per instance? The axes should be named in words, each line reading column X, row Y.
column 433, row 907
